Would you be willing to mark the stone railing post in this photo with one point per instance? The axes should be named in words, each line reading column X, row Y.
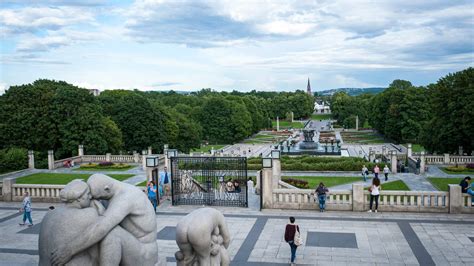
column 460, row 151
column 278, row 124
column 446, row 158
column 7, row 189
column 107, row 157
column 136, row 157
column 393, row 160
column 455, row 198
column 257, row 183
column 422, row 163
column 409, row 150
column 358, row 197
column 276, row 172
column 144, row 159
column 80, row 150
column 31, row 159
column 51, row 160
column 267, row 188
column 150, row 150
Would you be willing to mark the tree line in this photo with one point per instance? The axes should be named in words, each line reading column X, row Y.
column 55, row 115
column 439, row 116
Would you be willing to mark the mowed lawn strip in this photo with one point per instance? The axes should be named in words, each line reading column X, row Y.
column 395, row 185
column 457, row 173
column 329, row 181
column 59, row 178
column 441, row 183
column 207, row 148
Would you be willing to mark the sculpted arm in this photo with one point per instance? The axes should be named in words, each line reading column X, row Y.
column 94, row 233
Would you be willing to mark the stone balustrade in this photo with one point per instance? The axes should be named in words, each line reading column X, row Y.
column 93, row 158
column 466, row 202
column 122, row 158
column 305, row 199
column 434, row 159
column 42, row 193
column 461, row 159
column 411, row 201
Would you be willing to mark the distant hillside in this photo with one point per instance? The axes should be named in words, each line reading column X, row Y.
column 352, row 91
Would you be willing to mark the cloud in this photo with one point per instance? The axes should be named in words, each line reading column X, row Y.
column 165, row 84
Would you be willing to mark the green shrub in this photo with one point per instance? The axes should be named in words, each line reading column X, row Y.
column 89, row 165
column 296, row 182
column 13, row 159
column 120, row 166
column 458, row 169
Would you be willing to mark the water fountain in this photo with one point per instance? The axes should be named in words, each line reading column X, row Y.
column 308, row 145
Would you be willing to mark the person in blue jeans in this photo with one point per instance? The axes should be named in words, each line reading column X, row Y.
column 165, row 182
column 290, row 232
column 321, row 191
column 152, row 193
column 467, row 188
column 26, row 209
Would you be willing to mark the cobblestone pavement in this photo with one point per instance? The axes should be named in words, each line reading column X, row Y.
column 330, row 238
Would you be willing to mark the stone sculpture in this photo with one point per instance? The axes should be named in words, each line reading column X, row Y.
column 125, row 232
column 203, row 238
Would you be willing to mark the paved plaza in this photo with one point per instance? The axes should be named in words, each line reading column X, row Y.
column 331, row 238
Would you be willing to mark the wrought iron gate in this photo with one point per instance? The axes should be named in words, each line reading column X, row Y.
column 216, row 181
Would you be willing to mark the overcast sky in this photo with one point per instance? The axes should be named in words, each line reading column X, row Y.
column 225, row 45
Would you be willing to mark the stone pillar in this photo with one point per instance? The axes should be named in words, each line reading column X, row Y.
column 107, row 157
column 278, row 123
column 393, row 160
column 149, row 173
column 144, row 159
column 384, row 150
column 358, row 198
column 446, row 158
column 267, row 188
column 292, row 117
column 460, row 150
column 165, row 152
column 150, row 150
column 7, row 189
column 455, row 198
column 31, row 159
column 422, row 163
column 357, row 123
column 371, row 156
column 257, row 183
column 409, row 150
column 51, row 160
column 80, row 150
column 136, row 157
column 276, row 172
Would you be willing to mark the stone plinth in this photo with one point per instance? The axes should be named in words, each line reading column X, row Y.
column 31, row 159
column 267, row 188
column 358, row 197
column 455, row 198
column 51, row 160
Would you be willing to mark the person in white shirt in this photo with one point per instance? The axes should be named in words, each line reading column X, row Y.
column 374, row 190
column 385, row 172
column 250, row 188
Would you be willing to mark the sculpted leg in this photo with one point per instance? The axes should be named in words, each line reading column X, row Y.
column 111, row 249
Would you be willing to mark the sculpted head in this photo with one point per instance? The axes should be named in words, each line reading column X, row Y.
column 77, row 194
column 102, row 186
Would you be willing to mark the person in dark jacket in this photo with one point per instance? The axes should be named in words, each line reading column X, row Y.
column 290, row 231
column 321, row 191
column 466, row 188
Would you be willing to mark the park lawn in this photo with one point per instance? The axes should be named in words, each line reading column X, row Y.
column 321, row 116
column 329, row 181
column 59, row 178
column 441, row 183
column 287, row 124
column 99, row 169
column 207, row 148
column 142, row 184
column 395, row 185
column 467, row 172
column 415, row 147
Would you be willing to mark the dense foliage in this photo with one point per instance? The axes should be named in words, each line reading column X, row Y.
column 315, row 163
column 55, row 115
column 439, row 116
column 13, row 159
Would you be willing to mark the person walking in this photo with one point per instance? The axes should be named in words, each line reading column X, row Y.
column 374, row 190
column 376, row 171
column 152, row 193
column 365, row 172
column 290, row 232
column 165, row 182
column 26, row 209
column 321, row 191
column 467, row 188
column 385, row 172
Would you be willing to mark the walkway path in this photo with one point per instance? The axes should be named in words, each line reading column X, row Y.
column 330, row 238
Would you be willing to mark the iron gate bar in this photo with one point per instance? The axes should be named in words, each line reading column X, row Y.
column 203, row 181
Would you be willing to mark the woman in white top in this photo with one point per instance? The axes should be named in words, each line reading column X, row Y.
column 374, row 193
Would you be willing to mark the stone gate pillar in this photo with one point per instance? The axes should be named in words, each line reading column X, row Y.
column 80, row 150
column 276, row 172
column 144, row 159
column 31, row 159
column 107, row 157
column 51, row 160
column 267, row 188
column 165, row 152
column 446, row 158
column 422, row 163
column 150, row 150
column 278, row 124
column 7, row 189
column 455, row 198
column 409, row 150
column 358, row 197
column 393, row 160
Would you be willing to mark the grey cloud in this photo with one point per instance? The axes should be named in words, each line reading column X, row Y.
column 164, row 84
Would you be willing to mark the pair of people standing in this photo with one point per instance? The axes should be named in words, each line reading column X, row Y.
column 365, row 172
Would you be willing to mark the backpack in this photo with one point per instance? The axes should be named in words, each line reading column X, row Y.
column 297, row 239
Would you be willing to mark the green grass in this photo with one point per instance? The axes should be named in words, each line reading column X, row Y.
column 442, row 183
column 99, row 169
column 467, row 172
column 207, row 148
column 415, row 147
column 329, row 181
column 321, row 116
column 286, row 124
column 59, row 179
column 142, row 184
column 362, row 137
column 395, row 185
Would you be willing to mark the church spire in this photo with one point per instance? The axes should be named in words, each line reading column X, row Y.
column 308, row 88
